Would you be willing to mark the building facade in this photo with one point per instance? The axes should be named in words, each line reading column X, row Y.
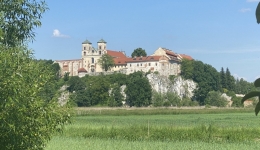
column 163, row 61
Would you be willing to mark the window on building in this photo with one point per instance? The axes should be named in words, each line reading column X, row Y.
column 104, row 47
column 149, row 64
column 89, row 48
column 99, row 52
column 92, row 59
column 155, row 64
column 92, row 51
column 130, row 65
column 99, row 47
column 84, row 48
column 137, row 65
column 84, row 53
column 141, row 64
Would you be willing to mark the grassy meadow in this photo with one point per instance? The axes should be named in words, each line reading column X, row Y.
column 160, row 129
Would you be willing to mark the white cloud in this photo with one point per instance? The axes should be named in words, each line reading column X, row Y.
column 243, row 10
column 56, row 33
column 252, row 1
column 238, row 77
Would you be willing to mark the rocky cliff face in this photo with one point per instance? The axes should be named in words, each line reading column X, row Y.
column 180, row 86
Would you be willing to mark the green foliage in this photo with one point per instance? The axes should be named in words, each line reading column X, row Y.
column 257, row 13
column 82, row 98
column 27, row 119
column 207, row 79
column 171, row 78
column 223, row 79
column 243, row 87
column 187, row 68
column 138, row 90
column 237, row 102
column 230, row 81
column 139, row 52
column 106, row 62
column 158, row 99
column 20, row 17
column 66, row 76
column 250, row 95
column 116, row 97
column 214, row 98
column 173, row 98
column 98, row 88
column 75, row 83
column 156, row 72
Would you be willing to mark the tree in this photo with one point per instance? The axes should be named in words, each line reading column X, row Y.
column 230, row 81
column 158, row 99
column 214, row 98
column 98, row 88
column 186, row 68
column 20, row 18
column 173, row 98
column 27, row 120
column 223, row 79
column 138, row 90
column 207, row 79
column 76, row 84
column 106, row 61
column 116, row 97
column 139, row 52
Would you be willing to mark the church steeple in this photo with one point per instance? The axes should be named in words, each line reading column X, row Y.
column 101, row 46
column 86, row 46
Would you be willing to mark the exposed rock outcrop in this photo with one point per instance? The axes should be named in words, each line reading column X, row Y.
column 180, row 86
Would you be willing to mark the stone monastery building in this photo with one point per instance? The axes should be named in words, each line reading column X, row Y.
column 164, row 61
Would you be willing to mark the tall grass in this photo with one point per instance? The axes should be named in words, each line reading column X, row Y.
column 80, row 143
column 156, row 111
column 217, row 129
column 200, row 133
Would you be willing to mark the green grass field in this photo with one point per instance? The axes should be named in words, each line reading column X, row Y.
column 160, row 129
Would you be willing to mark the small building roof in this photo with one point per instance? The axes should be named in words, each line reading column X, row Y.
column 116, row 54
column 101, row 41
column 82, row 70
column 184, row 56
column 143, row 59
column 86, row 42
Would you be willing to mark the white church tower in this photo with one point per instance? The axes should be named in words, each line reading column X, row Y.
column 90, row 55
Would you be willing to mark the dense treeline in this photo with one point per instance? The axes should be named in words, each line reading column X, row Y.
column 209, row 80
column 105, row 90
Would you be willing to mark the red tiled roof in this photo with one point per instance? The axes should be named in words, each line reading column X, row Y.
column 116, row 54
column 120, row 61
column 170, row 53
column 186, row 56
column 141, row 59
column 82, row 70
column 124, row 61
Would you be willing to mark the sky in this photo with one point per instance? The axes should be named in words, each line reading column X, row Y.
column 221, row 33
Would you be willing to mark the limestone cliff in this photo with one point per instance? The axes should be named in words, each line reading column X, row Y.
column 180, row 86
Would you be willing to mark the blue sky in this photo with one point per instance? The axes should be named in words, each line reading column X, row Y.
column 222, row 33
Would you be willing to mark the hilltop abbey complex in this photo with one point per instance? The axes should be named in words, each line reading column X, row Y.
column 163, row 60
